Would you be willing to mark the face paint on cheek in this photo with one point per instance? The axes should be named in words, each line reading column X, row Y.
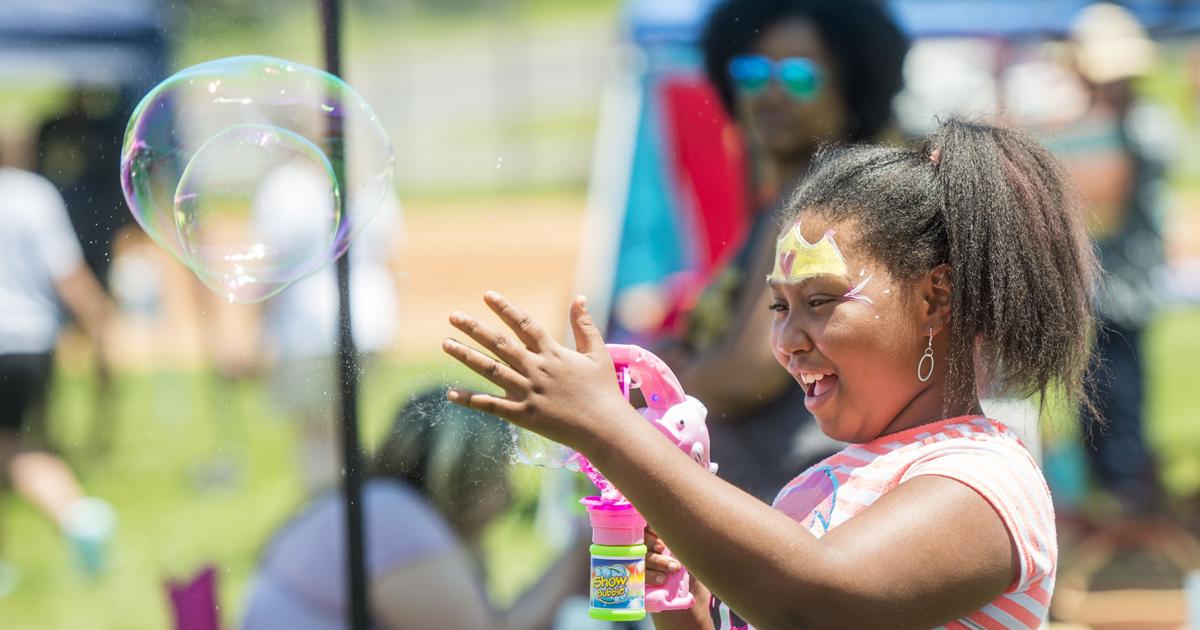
column 797, row 259
column 856, row 293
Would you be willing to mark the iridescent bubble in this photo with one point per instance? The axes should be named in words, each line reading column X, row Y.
column 534, row 450
column 231, row 165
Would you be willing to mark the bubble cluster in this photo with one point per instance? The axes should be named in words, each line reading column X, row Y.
column 254, row 171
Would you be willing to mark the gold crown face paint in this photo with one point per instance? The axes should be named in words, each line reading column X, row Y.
column 797, row 259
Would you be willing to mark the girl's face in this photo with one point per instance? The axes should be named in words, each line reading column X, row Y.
column 854, row 350
column 787, row 127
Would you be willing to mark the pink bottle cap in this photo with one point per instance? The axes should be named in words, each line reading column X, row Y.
column 614, row 523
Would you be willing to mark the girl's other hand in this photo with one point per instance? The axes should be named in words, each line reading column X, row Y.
column 658, row 564
column 569, row 396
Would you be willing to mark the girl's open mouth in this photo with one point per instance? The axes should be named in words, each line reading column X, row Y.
column 817, row 385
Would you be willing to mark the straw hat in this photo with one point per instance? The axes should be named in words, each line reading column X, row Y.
column 1110, row 44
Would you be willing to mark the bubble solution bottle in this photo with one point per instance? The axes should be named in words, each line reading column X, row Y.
column 618, row 579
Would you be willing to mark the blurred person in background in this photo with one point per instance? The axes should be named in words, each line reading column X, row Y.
column 437, row 480
column 79, row 151
column 795, row 75
column 300, row 324
column 42, row 269
column 1117, row 154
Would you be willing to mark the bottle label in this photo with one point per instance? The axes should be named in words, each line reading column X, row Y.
column 618, row 583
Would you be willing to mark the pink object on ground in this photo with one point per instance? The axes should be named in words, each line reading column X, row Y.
column 194, row 603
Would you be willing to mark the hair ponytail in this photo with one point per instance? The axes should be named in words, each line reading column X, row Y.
column 1023, row 269
column 994, row 206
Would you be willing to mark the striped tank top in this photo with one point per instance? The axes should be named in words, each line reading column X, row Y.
column 980, row 453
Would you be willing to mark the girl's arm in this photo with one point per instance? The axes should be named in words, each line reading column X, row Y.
column 923, row 554
column 928, row 552
column 658, row 567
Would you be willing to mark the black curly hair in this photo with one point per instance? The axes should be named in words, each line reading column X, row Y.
column 448, row 453
column 861, row 37
column 994, row 206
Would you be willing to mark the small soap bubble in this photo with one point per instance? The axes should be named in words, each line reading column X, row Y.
column 531, row 449
column 230, row 166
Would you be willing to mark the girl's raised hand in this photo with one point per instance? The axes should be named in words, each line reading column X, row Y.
column 569, row 396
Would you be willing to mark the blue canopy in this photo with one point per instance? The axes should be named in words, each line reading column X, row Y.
column 1031, row 18
column 112, row 42
column 650, row 21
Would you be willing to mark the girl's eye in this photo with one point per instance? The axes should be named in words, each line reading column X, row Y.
column 778, row 307
column 815, row 302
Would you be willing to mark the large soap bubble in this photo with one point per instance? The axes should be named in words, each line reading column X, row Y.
column 231, row 165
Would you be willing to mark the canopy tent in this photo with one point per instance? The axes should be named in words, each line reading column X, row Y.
column 650, row 21
column 109, row 42
column 1012, row 19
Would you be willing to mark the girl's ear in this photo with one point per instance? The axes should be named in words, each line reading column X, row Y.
column 936, row 289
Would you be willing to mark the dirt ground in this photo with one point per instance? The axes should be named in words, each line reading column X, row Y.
column 525, row 249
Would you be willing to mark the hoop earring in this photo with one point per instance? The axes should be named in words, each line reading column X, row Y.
column 921, row 364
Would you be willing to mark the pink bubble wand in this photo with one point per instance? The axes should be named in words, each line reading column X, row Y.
column 681, row 419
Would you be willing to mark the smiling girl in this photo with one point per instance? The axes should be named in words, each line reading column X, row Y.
column 901, row 277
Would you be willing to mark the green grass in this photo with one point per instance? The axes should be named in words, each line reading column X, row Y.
column 237, row 29
column 170, row 429
column 1174, row 399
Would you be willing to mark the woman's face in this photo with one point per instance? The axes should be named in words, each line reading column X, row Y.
column 854, row 350
column 790, row 128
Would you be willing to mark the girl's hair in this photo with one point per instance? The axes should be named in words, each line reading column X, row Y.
column 992, row 204
column 866, row 46
column 451, row 454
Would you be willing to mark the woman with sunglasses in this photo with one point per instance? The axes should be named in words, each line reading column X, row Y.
column 795, row 75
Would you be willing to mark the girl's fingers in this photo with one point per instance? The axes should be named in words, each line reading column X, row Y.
column 659, row 567
column 486, row 403
column 500, row 344
column 655, row 577
column 485, row 366
column 658, row 564
column 587, row 336
column 527, row 329
column 661, row 563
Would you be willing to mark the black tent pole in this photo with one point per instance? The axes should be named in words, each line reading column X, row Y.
column 352, row 458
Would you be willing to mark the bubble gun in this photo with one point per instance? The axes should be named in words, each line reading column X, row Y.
column 618, row 586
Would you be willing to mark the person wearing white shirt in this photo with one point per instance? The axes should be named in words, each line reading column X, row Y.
column 42, row 270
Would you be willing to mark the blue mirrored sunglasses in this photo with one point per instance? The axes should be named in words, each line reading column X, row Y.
column 799, row 75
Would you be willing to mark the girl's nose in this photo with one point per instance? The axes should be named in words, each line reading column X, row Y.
column 793, row 338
